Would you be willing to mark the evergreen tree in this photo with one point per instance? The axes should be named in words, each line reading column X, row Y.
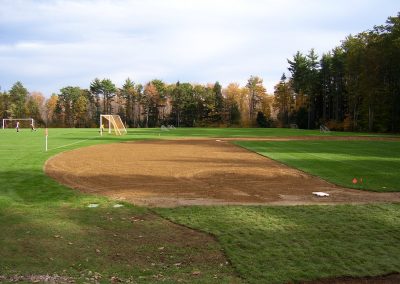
column 218, row 102
column 283, row 100
column 18, row 96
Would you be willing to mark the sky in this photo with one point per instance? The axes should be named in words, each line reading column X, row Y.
column 48, row 44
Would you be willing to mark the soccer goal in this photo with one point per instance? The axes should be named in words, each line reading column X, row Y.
column 112, row 123
column 324, row 129
column 23, row 122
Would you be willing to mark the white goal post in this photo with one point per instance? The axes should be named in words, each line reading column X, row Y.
column 112, row 122
column 324, row 129
column 31, row 120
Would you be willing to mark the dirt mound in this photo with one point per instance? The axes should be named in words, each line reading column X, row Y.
column 194, row 172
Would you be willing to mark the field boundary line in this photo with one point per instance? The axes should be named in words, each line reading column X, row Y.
column 70, row 144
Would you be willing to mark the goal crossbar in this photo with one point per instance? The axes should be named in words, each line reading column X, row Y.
column 114, row 122
column 17, row 119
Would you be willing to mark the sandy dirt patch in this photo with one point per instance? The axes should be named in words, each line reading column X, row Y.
column 194, row 172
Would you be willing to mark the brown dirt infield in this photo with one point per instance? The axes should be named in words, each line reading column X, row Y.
column 172, row 173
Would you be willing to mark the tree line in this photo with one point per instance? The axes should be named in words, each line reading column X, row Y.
column 154, row 104
column 353, row 87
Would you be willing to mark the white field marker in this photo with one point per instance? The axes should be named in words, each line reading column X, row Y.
column 70, row 144
column 46, row 133
column 321, row 194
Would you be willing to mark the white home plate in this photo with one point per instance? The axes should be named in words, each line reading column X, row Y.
column 320, row 193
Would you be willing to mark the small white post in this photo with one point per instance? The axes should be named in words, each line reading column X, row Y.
column 109, row 124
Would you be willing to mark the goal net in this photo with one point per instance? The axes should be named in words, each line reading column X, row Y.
column 22, row 122
column 112, row 123
column 324, row 129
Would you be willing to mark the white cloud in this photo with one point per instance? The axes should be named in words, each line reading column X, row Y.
column 51, row 44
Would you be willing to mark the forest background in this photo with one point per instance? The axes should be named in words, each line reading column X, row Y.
column 353, row 87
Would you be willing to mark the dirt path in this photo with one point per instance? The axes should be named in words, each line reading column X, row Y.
column 194, row 172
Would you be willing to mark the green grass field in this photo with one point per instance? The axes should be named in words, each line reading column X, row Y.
column 375, row 163
column 46, row 228
column 282, row 244
column 244, row 132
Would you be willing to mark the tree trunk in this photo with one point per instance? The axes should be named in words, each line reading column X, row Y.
column 147, row 117
column 370, row 117
column 133, row 113
column 139, row 115
column 355, row 118
column 309, row 115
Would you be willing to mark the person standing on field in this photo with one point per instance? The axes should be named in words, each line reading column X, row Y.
column 17, row 127
column 32, row 127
